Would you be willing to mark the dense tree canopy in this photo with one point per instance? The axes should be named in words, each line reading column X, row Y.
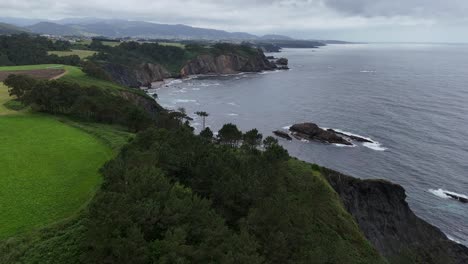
column 24, row 49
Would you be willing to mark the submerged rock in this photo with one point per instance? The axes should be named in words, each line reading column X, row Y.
column 282, row 134
column 311, row 131
column 352, row 137
column 457, row 197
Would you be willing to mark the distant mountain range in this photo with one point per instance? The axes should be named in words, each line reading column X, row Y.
column 117, row 28
column 123, row 28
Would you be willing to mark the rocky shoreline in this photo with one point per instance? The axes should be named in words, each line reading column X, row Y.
column 383, row 215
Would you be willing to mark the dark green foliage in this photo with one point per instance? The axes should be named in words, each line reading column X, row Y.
column 61, row 45
column 20, row 86
column 174, row 197
column 24, row 49
column 132, row 54
column 229, row 134
column 93, row 70
column 252, row 139
column 87, row 103
column 228, row 48
column 206, row 133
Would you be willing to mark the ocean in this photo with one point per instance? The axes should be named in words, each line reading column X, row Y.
column 410, row 99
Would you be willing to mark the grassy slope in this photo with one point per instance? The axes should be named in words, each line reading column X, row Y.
column 337, row 236
column 34, row 191
column 31, row 67
column 80, row 53
column 49, row 170
column 4, row 98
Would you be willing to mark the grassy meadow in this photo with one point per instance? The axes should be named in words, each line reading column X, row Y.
column 83, row 54
column 31, row 67
column 49, row 171
column 49, row 165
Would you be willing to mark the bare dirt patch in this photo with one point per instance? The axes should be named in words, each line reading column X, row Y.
column 39, row 74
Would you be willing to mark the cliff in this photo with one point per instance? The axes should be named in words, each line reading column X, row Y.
column 380, row 209
column 227, row 64
column 141, row 75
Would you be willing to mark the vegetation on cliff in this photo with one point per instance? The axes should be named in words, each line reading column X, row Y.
column 171, row 196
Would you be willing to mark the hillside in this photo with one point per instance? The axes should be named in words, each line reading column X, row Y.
column 135, row 29
column 8, row 29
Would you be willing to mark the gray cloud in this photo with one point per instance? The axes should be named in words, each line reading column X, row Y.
column 300, row 18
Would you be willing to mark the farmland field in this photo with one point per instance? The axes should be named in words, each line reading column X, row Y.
column 49, row 167
column 80, row 53
column 49, row 171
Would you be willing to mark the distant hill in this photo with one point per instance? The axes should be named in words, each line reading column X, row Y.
column 275, row 37
column 7, row 29
column 135, row 29
column 53, row 29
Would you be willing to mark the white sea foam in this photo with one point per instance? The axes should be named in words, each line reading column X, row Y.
column 185, row 101
column 374, row 145
column 368, row 71
column 305, row 140
column 287, row 127
column 172, row 82
column 233, row 114
column 208, row 84
column 268, row 72
column 232, row 103
column 344, row 146
column 441, row 193
column 454, row 240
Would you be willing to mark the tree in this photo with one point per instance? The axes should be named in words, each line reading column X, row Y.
column 203, row 115
column 206, row 133
column 269, row 141
column 229, row 134
column 252, row 138
column 20, row 86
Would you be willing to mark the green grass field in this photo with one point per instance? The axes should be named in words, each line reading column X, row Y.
column 174, row 44
column 31, row 67
column 49, row 166
column 83, row 54
column 73, row 74
column 49, row 171
column 4, row 98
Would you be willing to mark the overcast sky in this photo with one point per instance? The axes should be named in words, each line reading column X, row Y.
column 354, row 20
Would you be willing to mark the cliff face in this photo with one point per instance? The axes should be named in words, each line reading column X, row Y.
column 385, row 218
column 143, row 75
column 227, row 64
column 148, row 104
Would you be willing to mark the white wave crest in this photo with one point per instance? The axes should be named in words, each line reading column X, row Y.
column 233, row 104
column 344, row 146
column 374, row 146
column 287, row 127
column 441, row 193
column 368, row 71
column 233, row 114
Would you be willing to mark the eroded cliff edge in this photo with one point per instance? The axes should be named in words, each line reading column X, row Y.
column 380, row 209
column 227, row 64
